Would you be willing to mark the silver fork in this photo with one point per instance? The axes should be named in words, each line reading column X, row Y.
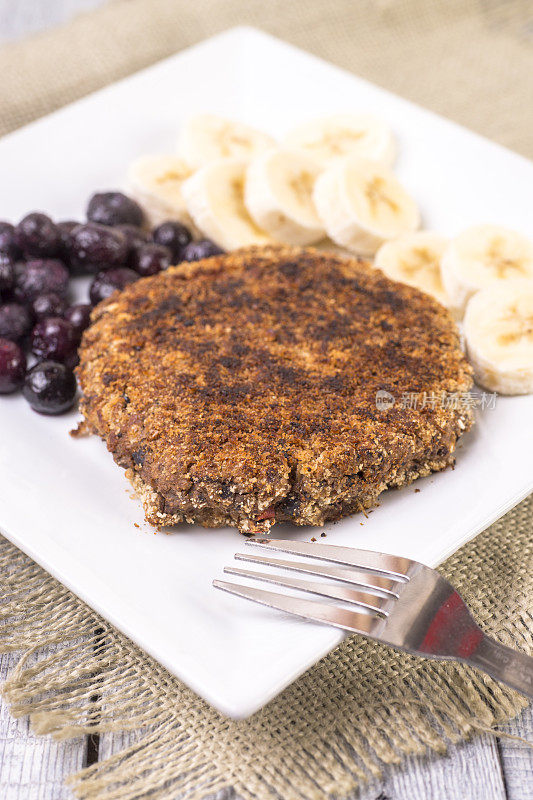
column 405, row 605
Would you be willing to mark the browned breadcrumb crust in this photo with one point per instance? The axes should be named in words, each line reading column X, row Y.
column 241, row 390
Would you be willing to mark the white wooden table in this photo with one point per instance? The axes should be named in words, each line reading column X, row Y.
column 34, row 767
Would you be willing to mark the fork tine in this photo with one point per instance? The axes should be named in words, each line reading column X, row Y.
column 363, row 580
column 343, row 593
column 355, row 621
column 381, row 563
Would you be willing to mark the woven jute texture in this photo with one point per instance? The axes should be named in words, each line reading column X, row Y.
column 471, row 60
column 363, row 705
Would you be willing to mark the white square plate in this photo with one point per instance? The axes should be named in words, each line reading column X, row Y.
column 66, row 504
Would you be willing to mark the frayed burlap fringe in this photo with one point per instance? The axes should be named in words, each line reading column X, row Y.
column 361, row 707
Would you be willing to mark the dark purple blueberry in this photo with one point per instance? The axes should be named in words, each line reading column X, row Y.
column 94, row 247
column 107, row 282
column 15, row 321
column 50, row 388
column 114, row 208
column 37, row 235
column 173, row 235
column 151, row 259
column 205, row 248
column 7, row 273
column 136, row 236
column 40, row 276
column 55, row 338
column 8, row 244
column 65, row 228
column 48, row 305
column 12, row 366
column 79, row 317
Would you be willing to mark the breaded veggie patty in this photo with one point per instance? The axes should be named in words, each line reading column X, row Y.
column 241, row 390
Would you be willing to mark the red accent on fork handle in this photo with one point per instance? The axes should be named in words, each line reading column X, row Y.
column 452, row 623
column 453, row 632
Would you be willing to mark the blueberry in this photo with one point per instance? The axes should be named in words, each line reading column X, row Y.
column 151, row 259
column 107, row 282
column 114, row 208
column 50, row 388
column 48, row 305
column 205, row 248
column 7, row 273
column 36, row 235
column 12, row 366
column 15, row 321
column 55, row 338
column 8, row 244
column 94, row 247
column 79, row 317
column 136, row 236
column 65, row 228
column 173, row 235
column 40, row 276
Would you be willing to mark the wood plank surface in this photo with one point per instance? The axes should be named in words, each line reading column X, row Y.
column 33, row 767
column 517, row 758
column 470, row 771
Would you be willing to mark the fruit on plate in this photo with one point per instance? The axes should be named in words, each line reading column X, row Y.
column 40, row 276
column 173, row 235
column 150, row 259
column 50, row 387
column 339, row 135
column 15, row 321
column 415, row 259
column 207, row 137
column 93, row 247
column 215, row 201
column 39, row 258
column 482, row 255
column 114, row 208
column 48, row 305
column 7, row 273
column 109, row 281
column 197, row 251
column 55, row 338
column 12, row 366
column 37, row 235
column 156, row 182
column 279, row 196
column 8, row 244
column 362, row 204
column 498, row 329
column 79, row 316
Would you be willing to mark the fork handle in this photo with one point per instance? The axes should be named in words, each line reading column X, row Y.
column 509, row 666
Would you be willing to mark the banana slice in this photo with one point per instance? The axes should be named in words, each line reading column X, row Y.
column 206, row 137
column 215, row 200
column 156, row 181
column 361, row 205
column 279, row 196
column 341, row 135
column 415, row 259
column 483, row 255
column 498, row 328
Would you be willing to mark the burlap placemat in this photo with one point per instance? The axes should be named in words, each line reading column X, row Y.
column 363, row 705
column 471, row 60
